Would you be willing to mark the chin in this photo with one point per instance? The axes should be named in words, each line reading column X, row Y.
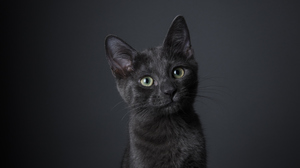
column 170, row 108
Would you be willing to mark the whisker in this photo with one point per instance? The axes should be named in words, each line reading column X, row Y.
column 125, row 115
column 117, row 105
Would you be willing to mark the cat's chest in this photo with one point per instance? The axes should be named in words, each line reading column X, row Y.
column 163, row 144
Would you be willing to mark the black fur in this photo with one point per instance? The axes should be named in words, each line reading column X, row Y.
column 164, row 130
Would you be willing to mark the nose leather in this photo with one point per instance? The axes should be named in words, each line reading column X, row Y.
column 168, row 89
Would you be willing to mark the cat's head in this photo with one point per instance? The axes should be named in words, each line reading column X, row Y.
column 163, row 78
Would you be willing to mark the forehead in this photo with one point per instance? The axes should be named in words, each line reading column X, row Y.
column 154, row 60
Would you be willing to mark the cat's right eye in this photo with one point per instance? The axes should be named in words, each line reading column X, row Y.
column 147, row 81
column 178, row 73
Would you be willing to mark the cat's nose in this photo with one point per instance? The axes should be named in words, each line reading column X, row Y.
column 168, row 89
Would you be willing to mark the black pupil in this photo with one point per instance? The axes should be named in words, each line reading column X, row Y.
column 177, row 72
column 146, row 80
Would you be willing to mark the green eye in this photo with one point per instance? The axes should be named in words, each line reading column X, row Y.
column 178, row 73
column 147, row 81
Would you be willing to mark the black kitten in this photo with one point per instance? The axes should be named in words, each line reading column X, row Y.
column 160, row 85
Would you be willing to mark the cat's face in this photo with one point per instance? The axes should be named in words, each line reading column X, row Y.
column 162, row 78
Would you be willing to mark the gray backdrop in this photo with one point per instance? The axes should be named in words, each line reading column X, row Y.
column 63, row 109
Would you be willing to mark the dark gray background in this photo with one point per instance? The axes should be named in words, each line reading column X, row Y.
column 63, row 109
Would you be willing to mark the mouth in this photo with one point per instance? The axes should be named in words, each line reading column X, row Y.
column 168, row 104
column 163, row 103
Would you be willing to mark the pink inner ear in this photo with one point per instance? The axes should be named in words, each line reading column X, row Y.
column 189, row 52
column 123, row 63
column 122, row 66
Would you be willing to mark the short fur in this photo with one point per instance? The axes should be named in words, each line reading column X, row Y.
column 164, row 130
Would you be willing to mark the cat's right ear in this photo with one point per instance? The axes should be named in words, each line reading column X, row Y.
column 178, row 38
column 120, row 56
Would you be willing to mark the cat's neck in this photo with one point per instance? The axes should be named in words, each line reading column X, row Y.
column 162, row 129
column 149, row 118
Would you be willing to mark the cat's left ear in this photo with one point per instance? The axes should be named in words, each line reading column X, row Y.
column 120, row 56
column 178, row 38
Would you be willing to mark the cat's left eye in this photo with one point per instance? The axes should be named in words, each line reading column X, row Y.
column 178, row 73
